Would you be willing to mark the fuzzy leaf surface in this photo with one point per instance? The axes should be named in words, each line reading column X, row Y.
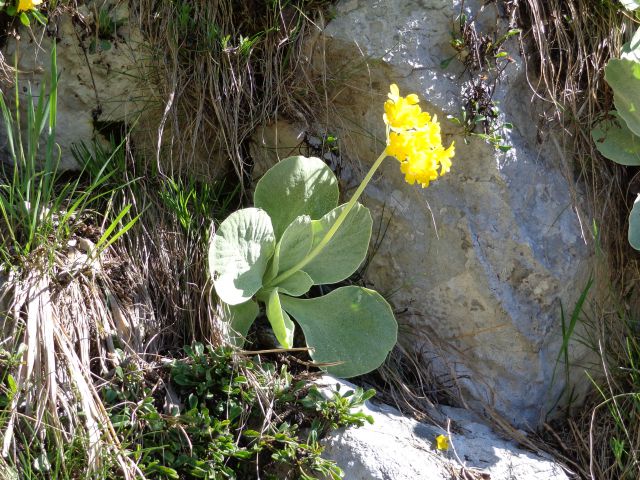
column 631, row 50
column 295, row 244
column 615, row 141
column 634, row 224
column 239, row 319
column 296, row 186
column 624, row 78
column 239, row 253
column 297, row 284
column 353, row 325
column 630, row 5
column 346, row 250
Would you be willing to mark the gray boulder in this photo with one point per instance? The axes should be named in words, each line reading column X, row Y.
column 395, row 447
column 481, row 261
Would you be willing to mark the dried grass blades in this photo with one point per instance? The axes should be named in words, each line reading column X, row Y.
column 224, row 67
column 54, row 382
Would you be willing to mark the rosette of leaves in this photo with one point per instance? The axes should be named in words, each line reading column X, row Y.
column 273, row 253
column 617, row 137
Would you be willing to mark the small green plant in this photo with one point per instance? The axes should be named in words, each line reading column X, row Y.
column 192, row 202
column 215, row 426
column 36, row 212
column 45, row 214
column 290, row 241
column 617, row 136
column 483, row 125
column 106, row 28
column 485, row 58
column 298, row 236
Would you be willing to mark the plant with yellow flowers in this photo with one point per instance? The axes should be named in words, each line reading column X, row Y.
column 442, row 443
column 297, row 236
column 24, row 9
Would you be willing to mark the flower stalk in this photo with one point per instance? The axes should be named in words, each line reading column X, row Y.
column 334, row 228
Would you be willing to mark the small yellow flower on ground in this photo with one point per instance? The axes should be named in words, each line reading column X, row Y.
column 414, row 139
column 26, row 5
column 442, row 442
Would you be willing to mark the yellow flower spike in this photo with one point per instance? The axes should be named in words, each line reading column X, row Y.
column 27, row 5
column 414, row 139
column 442, row 442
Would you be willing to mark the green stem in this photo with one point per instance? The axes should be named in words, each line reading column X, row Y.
column 334, row 228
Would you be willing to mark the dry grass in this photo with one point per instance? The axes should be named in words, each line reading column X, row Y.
column 225, row 66
column 67, row 321
column 74, row 315
column 572, row 40
column 569, row 44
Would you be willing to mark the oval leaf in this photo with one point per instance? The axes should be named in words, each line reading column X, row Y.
column 624, row 78
column 630, row 4
column 238, row 320
column 634, row 224
column 239, row 253
column 346, row 251
column 631, row 50
column 353, row 325
column 282, row 325
column 297, row 284
column 296, row 186
column 616, row 142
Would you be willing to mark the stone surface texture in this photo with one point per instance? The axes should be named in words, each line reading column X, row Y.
column 398, row 448
column 100, row 72
column 480, row 262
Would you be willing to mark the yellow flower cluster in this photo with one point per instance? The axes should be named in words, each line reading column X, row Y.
column 442, row 442
column 26, row 5
column 414, row 139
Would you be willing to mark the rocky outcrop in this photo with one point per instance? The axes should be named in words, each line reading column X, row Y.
column 395, row 447
column 481, row 261
column 102, row 83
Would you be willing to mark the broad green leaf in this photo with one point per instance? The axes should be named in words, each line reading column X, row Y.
column 631, row 50
column 346, row 250
column 616, row 142
column 296, row 186
column 282, row 325
column 239, row 319
column 624, row 78
column 295, row 243
column 353, row 325
column 239, row 253
column 634, row 224
column 630, row 4
column 297, row 284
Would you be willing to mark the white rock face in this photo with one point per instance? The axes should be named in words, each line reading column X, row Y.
column 399, row 448
column 480, row 262
column 100, row 79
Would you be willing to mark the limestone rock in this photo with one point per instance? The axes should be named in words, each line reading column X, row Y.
column 482, row 260
column 395, row 447
column 100, row 60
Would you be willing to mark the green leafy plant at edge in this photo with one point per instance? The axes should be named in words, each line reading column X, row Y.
column 297, row 236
